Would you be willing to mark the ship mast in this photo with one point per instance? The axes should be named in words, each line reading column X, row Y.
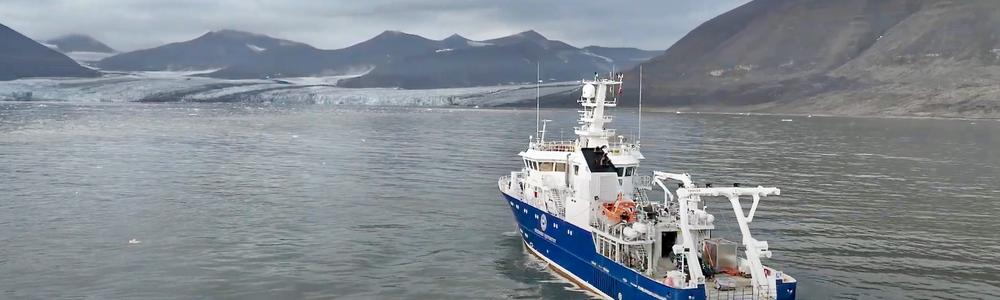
column 538, row 103
column 593, row 118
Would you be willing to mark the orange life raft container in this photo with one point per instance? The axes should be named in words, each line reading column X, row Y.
column 621, row 210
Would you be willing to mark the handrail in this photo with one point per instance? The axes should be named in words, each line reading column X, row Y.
column 559, row 146
column 504, row 183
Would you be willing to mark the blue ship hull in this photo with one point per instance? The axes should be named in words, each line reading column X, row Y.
column 570, row 250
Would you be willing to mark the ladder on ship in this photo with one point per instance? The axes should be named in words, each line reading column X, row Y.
column 557, row 200
column 640, row 197
column 645, row 260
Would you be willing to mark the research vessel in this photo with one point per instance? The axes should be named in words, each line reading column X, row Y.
column 581, row 205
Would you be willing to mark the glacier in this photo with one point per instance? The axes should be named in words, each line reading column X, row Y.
column 189, row 87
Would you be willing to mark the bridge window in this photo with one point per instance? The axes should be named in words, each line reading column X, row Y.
column 547, row 166
column 576, row 169
column 623, row 171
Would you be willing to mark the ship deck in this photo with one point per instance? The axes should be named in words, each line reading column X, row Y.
column 728, row 287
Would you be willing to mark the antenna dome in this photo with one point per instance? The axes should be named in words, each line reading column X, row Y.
column 589, row 91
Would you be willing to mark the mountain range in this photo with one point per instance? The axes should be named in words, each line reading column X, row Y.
column 22, row 57
column 457, row 62
column 855, row 57
column 390, row 59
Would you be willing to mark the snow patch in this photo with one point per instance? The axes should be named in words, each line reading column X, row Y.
column 88, row 57
column 256, row 48
column 605, row 58
column 478, row 44
column 324, row 80
column 174, row 74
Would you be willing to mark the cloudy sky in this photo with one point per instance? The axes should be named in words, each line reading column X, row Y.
column 130, row 25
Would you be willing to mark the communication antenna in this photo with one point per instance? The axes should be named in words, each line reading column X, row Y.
column 638, row 140
column 541, row 134
column 538, row 93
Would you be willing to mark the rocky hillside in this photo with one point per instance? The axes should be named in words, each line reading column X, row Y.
column 306, row 61
column 857, row 57
column 215, row 49
column 22, row 57
column 623, row 58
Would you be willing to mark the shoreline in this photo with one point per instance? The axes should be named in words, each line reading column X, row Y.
column 667, row 110
column 520, row 108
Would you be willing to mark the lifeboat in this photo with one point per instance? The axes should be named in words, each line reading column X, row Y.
column 622, row 210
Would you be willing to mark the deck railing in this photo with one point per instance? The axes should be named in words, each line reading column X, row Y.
column 744, row 292
column 644, row 182
column 504, row 183
column 560, row 146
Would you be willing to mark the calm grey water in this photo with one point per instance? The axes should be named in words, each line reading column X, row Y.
column 263, row 202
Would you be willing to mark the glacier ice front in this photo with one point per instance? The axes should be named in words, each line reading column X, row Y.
column 190, row 87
